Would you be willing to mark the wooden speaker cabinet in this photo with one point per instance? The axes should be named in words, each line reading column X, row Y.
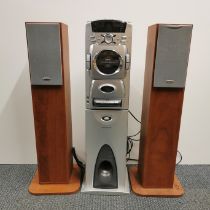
column 48, row 55
column 167, row 55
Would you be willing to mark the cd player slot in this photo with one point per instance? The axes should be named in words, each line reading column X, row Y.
column 107, row 103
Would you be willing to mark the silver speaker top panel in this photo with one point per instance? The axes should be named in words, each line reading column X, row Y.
column 44, row 53
column 173, row 46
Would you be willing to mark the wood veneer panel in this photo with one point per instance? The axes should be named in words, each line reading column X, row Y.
column 72, row 186
column 175, row 191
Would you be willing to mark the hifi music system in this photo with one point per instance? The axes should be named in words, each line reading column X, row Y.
column 107, row 83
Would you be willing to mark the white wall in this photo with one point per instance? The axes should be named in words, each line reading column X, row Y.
column 17, row 142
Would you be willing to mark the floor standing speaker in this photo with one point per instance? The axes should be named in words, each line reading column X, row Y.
column 48, row 56
column 168, row 47
column 108, row 52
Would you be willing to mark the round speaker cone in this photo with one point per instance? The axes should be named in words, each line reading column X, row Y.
column 105, row 169
column 108, row 61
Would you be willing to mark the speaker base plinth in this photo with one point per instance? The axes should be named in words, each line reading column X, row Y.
column 73, row 186
column 138, row 189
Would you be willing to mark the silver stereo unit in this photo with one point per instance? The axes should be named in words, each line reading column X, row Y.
column 108, row 58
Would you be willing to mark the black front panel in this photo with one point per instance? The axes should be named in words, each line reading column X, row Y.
column 105, row 174
column 108, row 61
column 108, row 26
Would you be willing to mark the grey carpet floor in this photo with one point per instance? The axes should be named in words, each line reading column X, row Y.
column 14, row 181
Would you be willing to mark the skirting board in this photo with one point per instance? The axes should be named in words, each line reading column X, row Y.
column 73, row 186
column 138, row 189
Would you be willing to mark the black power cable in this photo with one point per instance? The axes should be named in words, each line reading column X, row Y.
column 178, row 152
column 130, row 141
column 80, row 164
column 134, row 116
column 134, row 134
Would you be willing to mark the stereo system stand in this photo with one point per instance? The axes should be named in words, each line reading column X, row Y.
column 108, row 55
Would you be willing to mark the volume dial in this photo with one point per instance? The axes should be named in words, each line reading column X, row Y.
column 108, row 38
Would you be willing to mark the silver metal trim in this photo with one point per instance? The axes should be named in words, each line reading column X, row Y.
column 170, row 81
column 106, row 84
column 103, row 101
column 103, row 119
column 46, row 78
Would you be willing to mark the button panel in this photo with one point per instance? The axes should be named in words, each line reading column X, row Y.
column 106, row 118
column 88, row 61
column 123, row 39
column 107, row 38
column 127, row 61
column 92, row 38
